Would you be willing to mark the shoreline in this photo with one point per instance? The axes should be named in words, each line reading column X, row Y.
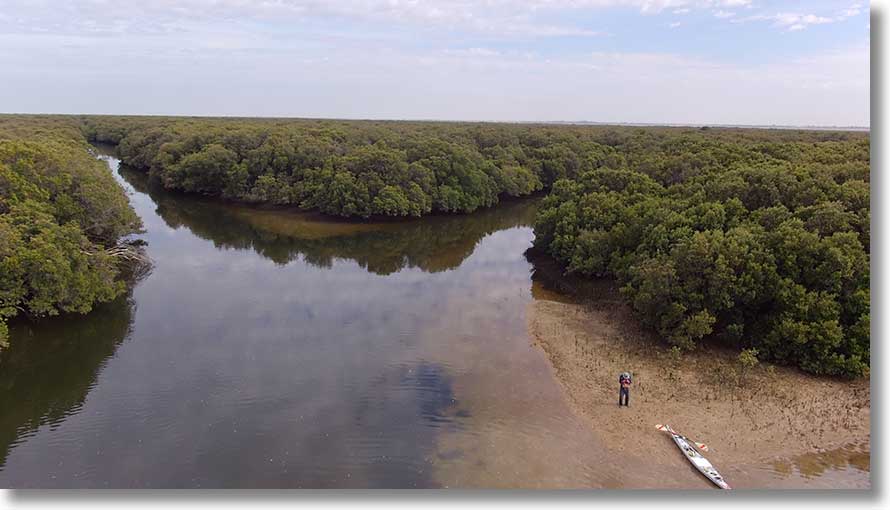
column 778, row 422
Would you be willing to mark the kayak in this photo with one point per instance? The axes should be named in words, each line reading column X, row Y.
column 692, row 455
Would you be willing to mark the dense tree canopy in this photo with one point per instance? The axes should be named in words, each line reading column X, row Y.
column 754, row 238
column 61, row 216
column 388, row 168
column 755, row 243
column 340, row 168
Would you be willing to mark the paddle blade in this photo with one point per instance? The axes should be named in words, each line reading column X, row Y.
column 664, row 428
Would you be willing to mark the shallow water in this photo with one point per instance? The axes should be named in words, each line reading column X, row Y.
column 276, row 349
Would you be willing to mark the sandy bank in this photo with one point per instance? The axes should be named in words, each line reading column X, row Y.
column 778, row 420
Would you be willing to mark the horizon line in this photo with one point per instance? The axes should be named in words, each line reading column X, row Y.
column 809, row 127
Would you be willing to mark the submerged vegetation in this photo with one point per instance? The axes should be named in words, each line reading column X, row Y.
column 758, row 239
column 62, row 217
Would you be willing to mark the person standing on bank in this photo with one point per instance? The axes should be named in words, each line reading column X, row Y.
column 624, row 381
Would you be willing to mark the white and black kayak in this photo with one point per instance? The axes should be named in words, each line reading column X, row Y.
column 690, row 450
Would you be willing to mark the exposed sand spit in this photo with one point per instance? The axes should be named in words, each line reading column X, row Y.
column 775, row 416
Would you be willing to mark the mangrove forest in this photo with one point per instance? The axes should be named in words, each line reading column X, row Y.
column 749, row 238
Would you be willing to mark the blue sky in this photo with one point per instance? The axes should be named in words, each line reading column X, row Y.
column 659, row 61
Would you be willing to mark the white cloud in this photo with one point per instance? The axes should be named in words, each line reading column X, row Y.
column 723, row 14
column 164, row 16
column 853, row 10
column 473, row 52
column 793, row 22
column 675, row 24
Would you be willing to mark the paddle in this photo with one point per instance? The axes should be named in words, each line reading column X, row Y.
column 666, row 428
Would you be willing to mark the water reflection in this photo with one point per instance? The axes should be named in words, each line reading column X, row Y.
column 47, row 372
column 815, row 464
column 433, row 244
column 550, row 284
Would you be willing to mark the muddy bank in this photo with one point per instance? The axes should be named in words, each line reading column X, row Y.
column 777, row 428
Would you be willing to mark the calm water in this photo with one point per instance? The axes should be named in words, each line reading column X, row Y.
column 273, row 349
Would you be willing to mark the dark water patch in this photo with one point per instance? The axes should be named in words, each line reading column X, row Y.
column 50, row 367
column 552, row 282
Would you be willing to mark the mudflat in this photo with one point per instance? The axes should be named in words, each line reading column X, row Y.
column 772, row 427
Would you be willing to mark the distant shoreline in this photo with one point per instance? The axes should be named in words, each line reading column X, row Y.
column 865, row 129
column 714, row 126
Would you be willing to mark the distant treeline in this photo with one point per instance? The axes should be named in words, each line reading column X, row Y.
column 755, row 241
column 62, row 216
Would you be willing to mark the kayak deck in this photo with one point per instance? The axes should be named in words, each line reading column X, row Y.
column 695, row 458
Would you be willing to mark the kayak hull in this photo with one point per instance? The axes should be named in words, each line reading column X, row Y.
column 696, row 459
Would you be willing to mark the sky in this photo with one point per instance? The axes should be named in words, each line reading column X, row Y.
column 748, row 62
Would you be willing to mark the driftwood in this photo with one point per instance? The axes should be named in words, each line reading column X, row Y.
column 135, row 262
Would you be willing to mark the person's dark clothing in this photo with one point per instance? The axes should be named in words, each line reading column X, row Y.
column 624, row 392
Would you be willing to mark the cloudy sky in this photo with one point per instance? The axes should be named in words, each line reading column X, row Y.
column 652, row 61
